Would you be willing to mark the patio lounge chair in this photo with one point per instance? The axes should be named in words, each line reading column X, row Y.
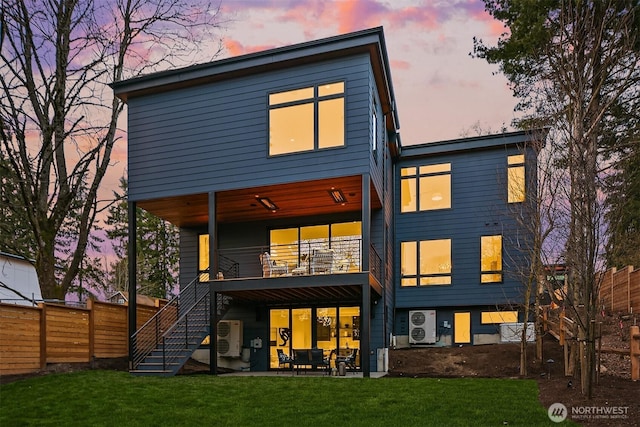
column 322, row 262
column 271, row 268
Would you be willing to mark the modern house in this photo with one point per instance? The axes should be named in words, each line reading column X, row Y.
column 305, row 223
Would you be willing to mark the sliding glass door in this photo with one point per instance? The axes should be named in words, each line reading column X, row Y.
column 333, row 329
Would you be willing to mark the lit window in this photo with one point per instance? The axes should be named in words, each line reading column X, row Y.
column 203, row 256
column 408, row 194
column 426, row 188
column 435, row 263
column 515, row 179
column 293, row 115
column 409, row 263
column 489, row 317
column 294, row 246
column 491, row 259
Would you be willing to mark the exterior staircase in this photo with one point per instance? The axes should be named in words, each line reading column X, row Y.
column 167, row 340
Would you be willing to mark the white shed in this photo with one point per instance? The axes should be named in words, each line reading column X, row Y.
column 18, row 281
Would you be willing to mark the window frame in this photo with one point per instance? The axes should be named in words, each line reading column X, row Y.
column 316, row 101
column 489, row 272
column 416, row 176
column 415, row 276
column 516, row 191
column 498, row 316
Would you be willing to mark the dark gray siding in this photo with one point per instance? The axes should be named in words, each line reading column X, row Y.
column 214, row 137
column 188, row 256
column 478, row 208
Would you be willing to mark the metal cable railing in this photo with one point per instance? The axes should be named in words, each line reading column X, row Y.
column 150, row 335
column 186, row 333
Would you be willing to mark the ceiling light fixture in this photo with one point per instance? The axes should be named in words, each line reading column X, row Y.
column 267, row 203
column 337, row 196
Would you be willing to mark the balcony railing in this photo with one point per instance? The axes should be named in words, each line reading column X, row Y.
column 296, row 259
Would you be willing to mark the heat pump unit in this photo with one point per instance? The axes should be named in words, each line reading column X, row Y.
column 512, row 332
column 229, row 342
column 422, row 327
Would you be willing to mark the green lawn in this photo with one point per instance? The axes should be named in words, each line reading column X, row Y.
column 109, row 398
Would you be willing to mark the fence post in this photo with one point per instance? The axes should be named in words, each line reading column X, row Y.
column 92, row 329
column 634, row 341
column 629, row 270
column 43, row 334
column 561, row 327
column 613, row 273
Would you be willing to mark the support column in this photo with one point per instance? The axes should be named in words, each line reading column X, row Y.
column 365, row 312
column 133, row 283
column 365, row 331
column 213, row 295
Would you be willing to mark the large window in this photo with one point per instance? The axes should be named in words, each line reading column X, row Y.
column 426, row 187
column 295, row 246
column 203, row 256
column 491, row 259
column 492, row 317
column 306, row 119
column 426, row 263
column 337, row 330
column 515, row 179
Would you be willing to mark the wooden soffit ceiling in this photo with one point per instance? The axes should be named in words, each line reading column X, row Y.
column 298, row 199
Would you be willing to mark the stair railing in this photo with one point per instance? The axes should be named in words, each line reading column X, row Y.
column 149, row 336
column 186, row 333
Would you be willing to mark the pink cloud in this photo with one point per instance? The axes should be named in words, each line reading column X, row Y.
column 236, row 48
column 347, row 15
column 400, row 65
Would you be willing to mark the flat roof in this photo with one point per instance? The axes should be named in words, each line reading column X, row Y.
column 475, row 143
column 369, row 41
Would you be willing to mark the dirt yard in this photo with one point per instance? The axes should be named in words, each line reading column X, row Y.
column 614, row 389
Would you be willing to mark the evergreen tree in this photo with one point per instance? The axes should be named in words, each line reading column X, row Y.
column 157, row 249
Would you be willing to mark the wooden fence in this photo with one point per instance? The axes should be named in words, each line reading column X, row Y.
column 31, row 337
column 555, row 322
column 620, row 290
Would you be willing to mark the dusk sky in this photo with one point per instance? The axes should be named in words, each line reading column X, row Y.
column 440, row 90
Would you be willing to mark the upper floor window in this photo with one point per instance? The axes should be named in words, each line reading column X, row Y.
column 426, row 187
column 491, row 259
column 425, row 263
column 515, row 179
column 306, row 119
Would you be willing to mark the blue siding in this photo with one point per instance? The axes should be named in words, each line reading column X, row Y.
column 206, row 138
column 188, row 256
column 478, row 181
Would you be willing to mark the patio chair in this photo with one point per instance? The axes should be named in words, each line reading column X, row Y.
column 322, row 261
column 301, row 358
column 271, row 268
column 317, row 358
column 284, row 360
column 349, row 361
column 326, row 362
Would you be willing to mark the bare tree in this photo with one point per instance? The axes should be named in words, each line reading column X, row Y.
column 573, row 65
column 58, row 118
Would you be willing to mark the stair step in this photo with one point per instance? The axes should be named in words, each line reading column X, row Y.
column 146, row 365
